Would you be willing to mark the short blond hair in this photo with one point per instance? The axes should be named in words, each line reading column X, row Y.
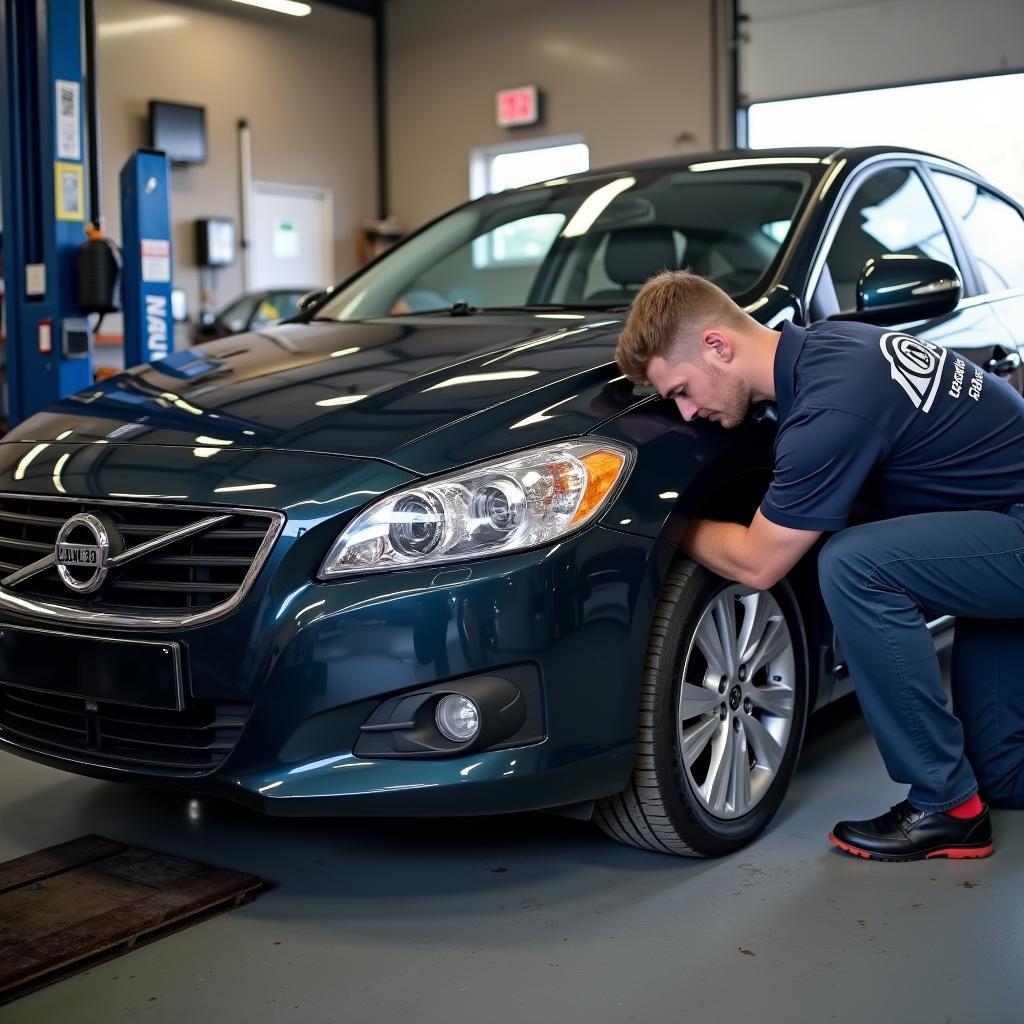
column 669, row 313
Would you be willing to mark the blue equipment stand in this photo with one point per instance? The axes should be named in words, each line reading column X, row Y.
column 146, row 274
column 43, row 169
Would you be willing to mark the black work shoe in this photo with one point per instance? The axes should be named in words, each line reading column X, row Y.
column 905, row 833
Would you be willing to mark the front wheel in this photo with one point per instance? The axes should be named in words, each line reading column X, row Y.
column 723, row 708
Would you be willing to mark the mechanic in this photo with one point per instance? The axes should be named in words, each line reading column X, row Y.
column 937, row 446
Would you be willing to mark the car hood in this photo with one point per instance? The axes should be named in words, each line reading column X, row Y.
column 422, row 394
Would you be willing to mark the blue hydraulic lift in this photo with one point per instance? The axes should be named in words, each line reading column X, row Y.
column 42, row 176
column 49, row 167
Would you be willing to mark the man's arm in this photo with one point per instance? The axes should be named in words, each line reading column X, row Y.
column 757, row 556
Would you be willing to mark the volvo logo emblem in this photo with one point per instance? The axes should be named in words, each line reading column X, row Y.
column 85, row 545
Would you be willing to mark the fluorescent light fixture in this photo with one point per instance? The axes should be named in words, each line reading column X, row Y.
column 561, row 316
column 594, row 205
column 345, row 352
column 134, row 25
column 280, row 6
column 758, row 161
column 203, row 439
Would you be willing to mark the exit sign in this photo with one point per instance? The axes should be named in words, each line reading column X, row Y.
column 517, row 107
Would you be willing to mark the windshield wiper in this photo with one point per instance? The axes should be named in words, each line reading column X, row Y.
column 553, row 307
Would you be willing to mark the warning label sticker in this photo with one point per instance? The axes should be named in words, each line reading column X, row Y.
column 69, row 120
column 70, row 191
column 156, row 260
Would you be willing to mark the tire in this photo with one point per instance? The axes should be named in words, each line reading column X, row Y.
column 687, row 809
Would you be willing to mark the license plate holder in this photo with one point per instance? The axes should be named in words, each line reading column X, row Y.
column 142, row 673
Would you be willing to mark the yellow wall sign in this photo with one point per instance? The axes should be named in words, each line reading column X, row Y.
column 70, row 185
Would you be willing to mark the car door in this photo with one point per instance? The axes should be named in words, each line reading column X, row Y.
column 991, row 229
column 890, row 211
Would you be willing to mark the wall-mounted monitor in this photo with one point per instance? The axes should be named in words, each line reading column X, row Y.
column 179, row 130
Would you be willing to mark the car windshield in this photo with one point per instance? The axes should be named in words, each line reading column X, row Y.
column 587, row 243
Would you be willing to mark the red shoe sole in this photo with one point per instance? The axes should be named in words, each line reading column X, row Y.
column 952, row 853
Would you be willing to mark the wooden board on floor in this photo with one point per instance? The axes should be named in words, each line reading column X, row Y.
column 72, row 902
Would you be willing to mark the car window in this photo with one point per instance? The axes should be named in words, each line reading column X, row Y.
column 993, row 229
column 590, row 242
column 890, row 213
column 276, row 306
column 235, row 317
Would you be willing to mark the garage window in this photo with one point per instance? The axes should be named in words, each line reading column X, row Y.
column 496, row 168
column 969, row 120
column 994, row 230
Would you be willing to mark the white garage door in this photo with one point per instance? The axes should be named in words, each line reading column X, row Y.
column 809, row 47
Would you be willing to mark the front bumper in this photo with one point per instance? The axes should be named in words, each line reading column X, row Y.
column 315, row 660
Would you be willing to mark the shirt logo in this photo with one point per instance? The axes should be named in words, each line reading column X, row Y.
column 915, row 365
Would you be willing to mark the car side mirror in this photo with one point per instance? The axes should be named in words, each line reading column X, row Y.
column 311, row 299
column 894, row 288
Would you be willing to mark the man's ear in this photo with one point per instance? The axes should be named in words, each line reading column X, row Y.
column 717, row 345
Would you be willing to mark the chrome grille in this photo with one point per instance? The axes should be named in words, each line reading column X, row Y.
column 194, row 578
column 195, row 740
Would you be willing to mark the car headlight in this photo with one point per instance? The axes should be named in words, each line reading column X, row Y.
column 518, row 503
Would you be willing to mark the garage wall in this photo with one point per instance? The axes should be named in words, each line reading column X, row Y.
column 305, row 85
column 631, row 78
column 809, row 47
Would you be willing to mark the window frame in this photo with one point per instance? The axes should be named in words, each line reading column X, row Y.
column 849, row 189
column 978, row 288
column 481, row 158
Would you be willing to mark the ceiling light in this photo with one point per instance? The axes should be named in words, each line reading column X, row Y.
column 281, row 6
column 129, row 27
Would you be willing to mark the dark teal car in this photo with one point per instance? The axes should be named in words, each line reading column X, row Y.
column 416, row 551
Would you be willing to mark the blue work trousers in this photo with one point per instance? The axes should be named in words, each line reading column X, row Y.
column 882, row 582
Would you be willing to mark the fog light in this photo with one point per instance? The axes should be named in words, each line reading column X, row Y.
column 457, row 717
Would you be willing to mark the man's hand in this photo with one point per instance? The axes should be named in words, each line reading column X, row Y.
column 757, row 556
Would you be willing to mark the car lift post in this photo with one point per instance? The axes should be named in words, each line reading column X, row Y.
column 146, row 274
column 43, row 173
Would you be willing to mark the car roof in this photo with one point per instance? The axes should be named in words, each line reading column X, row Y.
column 828, row 155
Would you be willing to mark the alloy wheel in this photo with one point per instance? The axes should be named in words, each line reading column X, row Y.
column 736, row 701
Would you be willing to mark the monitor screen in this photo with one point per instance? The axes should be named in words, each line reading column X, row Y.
column 179, row 131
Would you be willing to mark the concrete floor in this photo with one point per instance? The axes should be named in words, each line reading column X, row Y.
column 541, row 919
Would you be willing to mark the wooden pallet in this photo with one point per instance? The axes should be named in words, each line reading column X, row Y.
column 92, row 896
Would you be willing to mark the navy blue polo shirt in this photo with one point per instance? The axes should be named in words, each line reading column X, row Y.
column 901, row 422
